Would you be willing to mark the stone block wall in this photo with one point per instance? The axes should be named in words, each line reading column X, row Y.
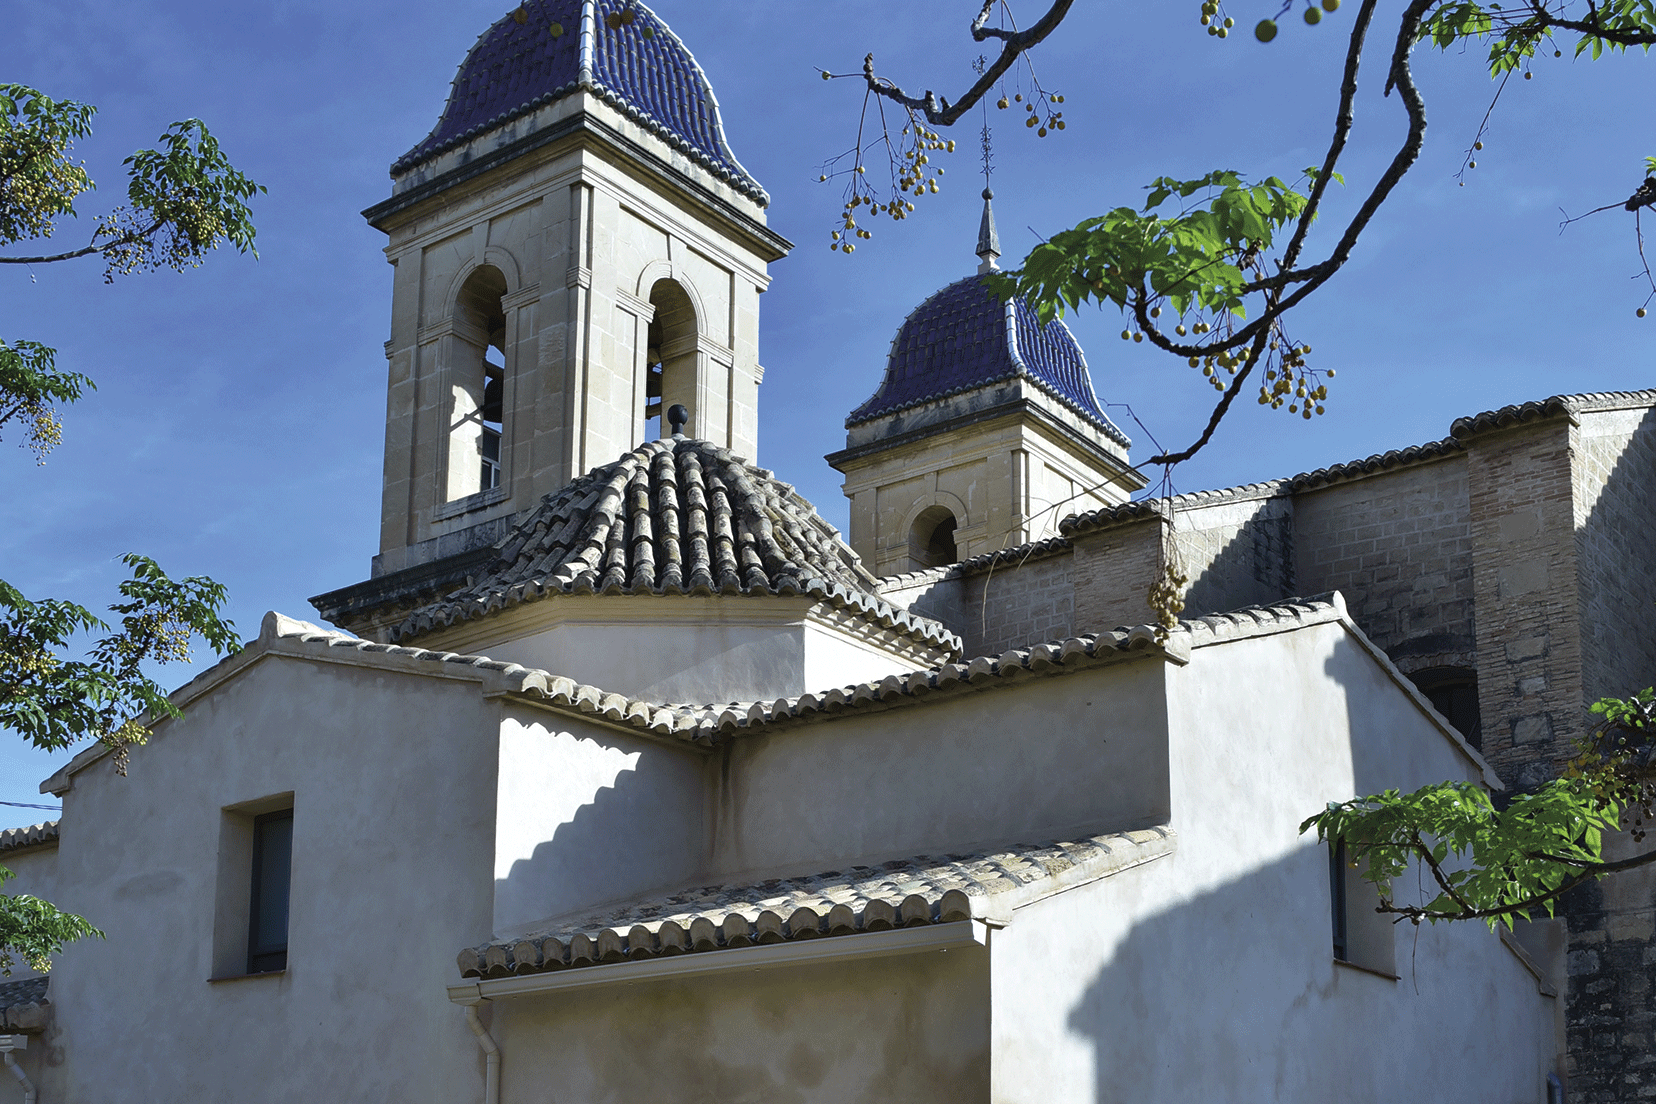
column 1398, row 546
column 1615, row 519
column 1014, row 607
column 1237, row 551
column 1112, row 572
column 1520, row 487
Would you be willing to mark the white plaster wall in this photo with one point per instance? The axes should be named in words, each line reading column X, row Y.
column 834, row 657
column 1208, row 975
column 1057, row 758
column 913, row 1029
column 393, row 778
column 588, row 815
column 720, row 660
column 691, row 650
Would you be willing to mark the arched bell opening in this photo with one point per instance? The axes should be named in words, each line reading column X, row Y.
column 477, row 386
column 932, row 539
column 670, row 358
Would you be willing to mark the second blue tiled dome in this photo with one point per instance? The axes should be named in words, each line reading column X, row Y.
column 964, row 337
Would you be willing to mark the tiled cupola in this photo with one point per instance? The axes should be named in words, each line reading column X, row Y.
column 680, row 573
column 983, row 432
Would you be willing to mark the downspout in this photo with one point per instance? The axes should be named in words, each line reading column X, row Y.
column 9, row 1043
column 491, row 1059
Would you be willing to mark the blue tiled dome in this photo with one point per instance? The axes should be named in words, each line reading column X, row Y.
column 639, row 67
column 964, row 338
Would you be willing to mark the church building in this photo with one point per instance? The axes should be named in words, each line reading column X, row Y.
column 623, row 777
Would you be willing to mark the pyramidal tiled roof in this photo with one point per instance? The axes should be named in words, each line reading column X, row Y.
column 619, row 49
column 674, row 516
column 964, row 337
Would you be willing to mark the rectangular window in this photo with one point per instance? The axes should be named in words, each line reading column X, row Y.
column 1337, row 897
column 272, row 872
column 1363, row 936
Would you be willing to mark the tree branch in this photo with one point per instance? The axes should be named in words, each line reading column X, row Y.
column 940, row 112
column 95, row 247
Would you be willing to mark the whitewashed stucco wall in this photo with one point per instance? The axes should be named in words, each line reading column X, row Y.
column 1057, row 758
column 589, row 815
column 394, row 783
column 1208, row 975
column 913, row 1029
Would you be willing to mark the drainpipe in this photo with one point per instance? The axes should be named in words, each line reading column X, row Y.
column 491, row 1059
column 1555, row 1089
column 9, row 1043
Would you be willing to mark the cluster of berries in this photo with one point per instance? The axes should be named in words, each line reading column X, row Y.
column 1267, row 28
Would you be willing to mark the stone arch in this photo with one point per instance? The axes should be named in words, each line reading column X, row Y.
column 930, row 527
column 672, row 355
column 475, row 385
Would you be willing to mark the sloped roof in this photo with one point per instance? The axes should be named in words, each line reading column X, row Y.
column 964, row 337
column 15, row 839
column 23, row 1004
column 639, row 67
column 909, row 892
column 674, row 516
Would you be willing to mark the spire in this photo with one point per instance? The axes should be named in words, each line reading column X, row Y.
column 988, row 247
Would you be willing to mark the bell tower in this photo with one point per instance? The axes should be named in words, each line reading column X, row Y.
column 984, row 431
column 576, row 248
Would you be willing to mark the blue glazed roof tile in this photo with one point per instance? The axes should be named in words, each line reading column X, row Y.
column 639, row 67
column 964, row 337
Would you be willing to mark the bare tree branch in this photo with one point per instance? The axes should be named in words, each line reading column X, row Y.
column 939, row 111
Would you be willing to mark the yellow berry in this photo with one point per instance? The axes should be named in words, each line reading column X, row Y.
column 1313, row 16
column 1265, row 30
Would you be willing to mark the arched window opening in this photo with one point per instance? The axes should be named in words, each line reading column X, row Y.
column 670, row 358
column 477, row 387
column 932, row 539
column 1453, row 691
column 493, row 414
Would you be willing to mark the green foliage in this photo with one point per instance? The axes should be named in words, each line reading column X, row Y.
column 35, row 930
column 53, row 700
column 1494, row 864
column 1502, row 865
column 1198, row 257
column 1515, row 33
column 184, row 199
column 38, row 181
column 30, row 382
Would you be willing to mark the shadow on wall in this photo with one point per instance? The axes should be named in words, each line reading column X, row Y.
column 1234, row 562
column 1616, row 561
column 1233, row 996
column 1232, row 993
column 639, row 829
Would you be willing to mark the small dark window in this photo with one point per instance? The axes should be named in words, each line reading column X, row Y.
column 1453, row 691
column 267, row 939
column 1337, row 898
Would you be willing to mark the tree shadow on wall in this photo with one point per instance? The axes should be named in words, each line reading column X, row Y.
column 643, row 830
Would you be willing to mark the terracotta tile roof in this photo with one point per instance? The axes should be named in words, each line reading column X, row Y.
column 639, row 67
column 15, row 839
column 675, row 516
column 1550, row 408
column 963, row 337
column 902, row 893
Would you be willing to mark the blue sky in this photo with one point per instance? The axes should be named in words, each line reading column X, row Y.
column 238, row 422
